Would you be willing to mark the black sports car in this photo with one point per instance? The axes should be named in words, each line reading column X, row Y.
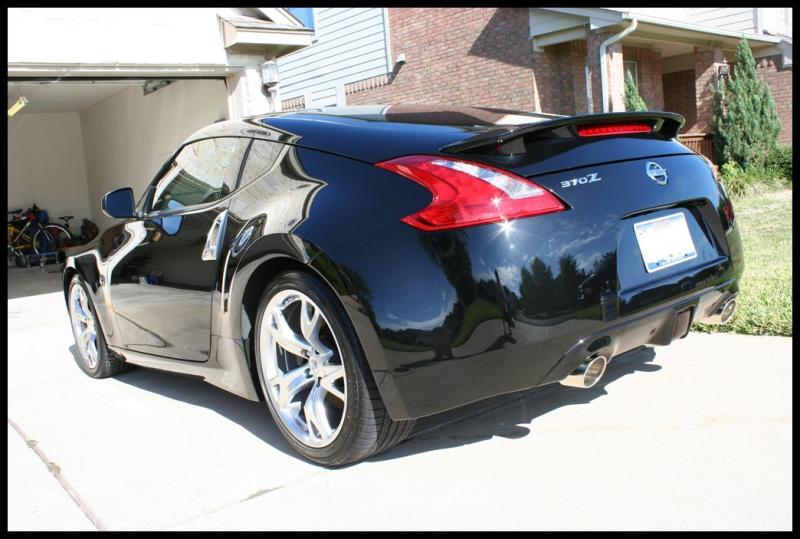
column 359, row 268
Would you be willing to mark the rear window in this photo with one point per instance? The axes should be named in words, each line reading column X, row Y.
column 260, row 160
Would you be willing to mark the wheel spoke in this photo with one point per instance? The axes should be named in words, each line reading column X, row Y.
column 314, row 409
column 310, row 324
column 80, row 315
column 83, row 302
column 85, row 340
column 290, row 384
column 91, row 351
column 330, row 374
column 286, row 337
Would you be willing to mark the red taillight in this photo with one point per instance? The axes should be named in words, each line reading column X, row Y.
column 467, row 193
column 600, row 130
column 727, row 207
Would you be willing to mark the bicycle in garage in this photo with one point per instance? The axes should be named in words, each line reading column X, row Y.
column 30, row 233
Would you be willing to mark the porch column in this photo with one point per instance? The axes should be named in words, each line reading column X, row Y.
column 706, row 62
column 246, row 95
column 615, row 73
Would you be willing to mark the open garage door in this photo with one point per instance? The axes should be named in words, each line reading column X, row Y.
column 75, row 140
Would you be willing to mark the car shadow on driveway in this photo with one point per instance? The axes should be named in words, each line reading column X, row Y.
column 508, row 416
column 251, row 415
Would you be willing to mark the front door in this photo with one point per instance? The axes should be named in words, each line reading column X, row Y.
column 162, row 289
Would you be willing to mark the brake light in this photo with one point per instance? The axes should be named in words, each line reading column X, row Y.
column 468, row 194
column 600, row 130
column 727, row 205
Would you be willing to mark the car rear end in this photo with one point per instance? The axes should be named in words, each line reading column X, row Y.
column 588, row 236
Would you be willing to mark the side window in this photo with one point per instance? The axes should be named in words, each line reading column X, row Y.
column 260, row 160
column 202, row 172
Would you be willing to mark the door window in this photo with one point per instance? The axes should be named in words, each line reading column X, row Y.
column 203, row 172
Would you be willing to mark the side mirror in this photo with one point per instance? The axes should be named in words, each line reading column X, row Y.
column 119, row 204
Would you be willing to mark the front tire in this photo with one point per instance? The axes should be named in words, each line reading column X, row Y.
column 94, row 357
column 315, row 378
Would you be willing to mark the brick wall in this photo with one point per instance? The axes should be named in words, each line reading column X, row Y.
column 649, row 71
column 294, row 103
column 780, row 84
column 706, row 64
column 679, row 95
column 469, row 56
column 615, row 75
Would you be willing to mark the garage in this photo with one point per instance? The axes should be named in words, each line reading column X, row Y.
column 74, row 141
column 107, row 106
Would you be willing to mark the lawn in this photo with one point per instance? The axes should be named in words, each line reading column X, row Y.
column 765, row 297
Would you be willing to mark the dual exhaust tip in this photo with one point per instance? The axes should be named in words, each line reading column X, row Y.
column 587, row 373
column 724, row 312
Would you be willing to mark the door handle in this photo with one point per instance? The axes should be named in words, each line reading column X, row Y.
column 216, row 235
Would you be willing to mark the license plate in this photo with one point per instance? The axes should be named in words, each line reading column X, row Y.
column 664, row 242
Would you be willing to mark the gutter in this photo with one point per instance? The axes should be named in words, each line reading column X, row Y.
column 603, row 72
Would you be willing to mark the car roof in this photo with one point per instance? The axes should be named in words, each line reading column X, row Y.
column 375, row 132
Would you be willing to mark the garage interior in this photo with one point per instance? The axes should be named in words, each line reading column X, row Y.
column 76, row 140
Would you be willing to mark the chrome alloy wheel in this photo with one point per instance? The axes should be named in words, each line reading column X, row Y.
column 83, row 326
column 302, row 367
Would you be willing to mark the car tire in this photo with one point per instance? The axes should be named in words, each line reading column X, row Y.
column 364, row 427
column 97, row 361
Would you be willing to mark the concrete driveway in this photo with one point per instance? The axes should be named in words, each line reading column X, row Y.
column 692, row 436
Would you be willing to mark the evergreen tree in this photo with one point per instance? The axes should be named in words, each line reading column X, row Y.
column 746, row 124
column 633, row 101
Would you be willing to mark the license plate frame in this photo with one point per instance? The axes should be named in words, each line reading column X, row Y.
column 664, row 241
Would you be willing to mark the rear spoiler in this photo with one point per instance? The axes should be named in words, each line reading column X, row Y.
column 665, row 124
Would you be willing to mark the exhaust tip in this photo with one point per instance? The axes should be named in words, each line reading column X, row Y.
column 726, row 313
column 587, row 373
column 723, row 313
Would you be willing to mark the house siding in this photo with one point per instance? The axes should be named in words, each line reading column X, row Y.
column 737, row 19
column 350, row 45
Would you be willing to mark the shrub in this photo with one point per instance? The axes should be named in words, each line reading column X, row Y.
column 633, row 101
column 746, row 122
column 780, row 160
column 757, row 179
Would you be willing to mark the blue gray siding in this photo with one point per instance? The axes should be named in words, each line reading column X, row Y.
column 350, row 44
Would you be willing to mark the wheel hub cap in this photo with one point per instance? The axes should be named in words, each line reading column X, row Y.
column 83, row 326
column 302, row 367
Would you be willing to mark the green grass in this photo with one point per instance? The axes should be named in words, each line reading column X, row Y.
column 765, row 296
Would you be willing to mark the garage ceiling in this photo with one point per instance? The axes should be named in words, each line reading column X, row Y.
column 63, row 96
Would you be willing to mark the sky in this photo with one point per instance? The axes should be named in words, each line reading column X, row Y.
column 304, row 14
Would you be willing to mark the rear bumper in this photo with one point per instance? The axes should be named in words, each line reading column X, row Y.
column 423, row 384
column 659, row 327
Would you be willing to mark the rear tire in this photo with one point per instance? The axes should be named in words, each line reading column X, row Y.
column 352, row 431
column 94, row 356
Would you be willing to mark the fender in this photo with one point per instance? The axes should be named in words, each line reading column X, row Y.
column 270, row 255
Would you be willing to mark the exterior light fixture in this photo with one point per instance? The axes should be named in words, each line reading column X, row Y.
column 269, row 73
column 723, row 70
column 16, row 107
column 151, row 86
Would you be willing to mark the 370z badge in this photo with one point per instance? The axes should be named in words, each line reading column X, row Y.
column 589, row 178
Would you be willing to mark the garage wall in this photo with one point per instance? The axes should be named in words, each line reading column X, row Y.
column 128, row 136
column 45, row 165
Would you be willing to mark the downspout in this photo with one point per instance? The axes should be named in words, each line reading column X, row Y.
column 603, row 73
